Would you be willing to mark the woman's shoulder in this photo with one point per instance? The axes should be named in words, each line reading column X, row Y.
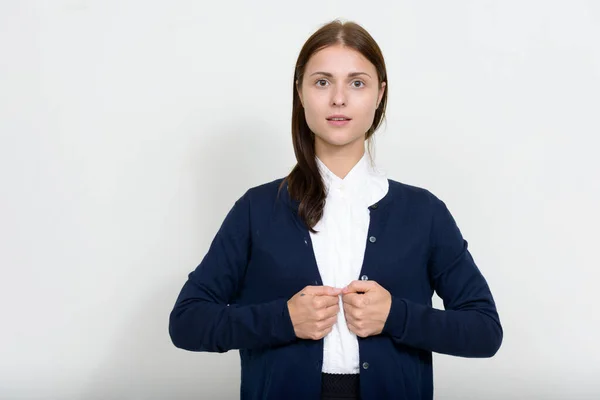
column 401, row 189
column 265, row 189
column 419, row 200
column 262, row 194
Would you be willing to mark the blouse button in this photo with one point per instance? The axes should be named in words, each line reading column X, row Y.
column 364, row 278
column 372, row 239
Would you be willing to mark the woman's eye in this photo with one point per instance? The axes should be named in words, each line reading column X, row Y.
column 323, row 83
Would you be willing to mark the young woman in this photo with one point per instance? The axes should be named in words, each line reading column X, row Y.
column 324, row 279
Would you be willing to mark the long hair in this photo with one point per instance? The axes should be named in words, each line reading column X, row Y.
column 304, row 181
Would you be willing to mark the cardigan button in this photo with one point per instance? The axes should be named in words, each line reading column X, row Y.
column 364, row 278
column 374, row 206
column 365, row 365
column 372, row 239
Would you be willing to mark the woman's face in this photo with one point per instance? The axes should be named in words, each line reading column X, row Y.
column 340, row 81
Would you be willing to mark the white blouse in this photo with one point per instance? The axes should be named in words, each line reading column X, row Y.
column 339, row 248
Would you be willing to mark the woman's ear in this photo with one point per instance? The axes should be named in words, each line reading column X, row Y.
column 299, row 93
column 381, row 91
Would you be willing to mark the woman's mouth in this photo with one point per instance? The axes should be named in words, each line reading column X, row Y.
column 338, row 121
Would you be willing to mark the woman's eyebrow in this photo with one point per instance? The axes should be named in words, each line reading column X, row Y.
column 350, row 75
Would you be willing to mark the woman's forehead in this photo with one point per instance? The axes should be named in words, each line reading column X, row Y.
column 338, row 60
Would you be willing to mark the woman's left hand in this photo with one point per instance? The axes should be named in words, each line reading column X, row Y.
column 366, row 312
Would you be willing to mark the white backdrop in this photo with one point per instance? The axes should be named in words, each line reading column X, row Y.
column 129, row 127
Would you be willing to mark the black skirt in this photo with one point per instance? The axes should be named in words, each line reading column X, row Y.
column 340, row 386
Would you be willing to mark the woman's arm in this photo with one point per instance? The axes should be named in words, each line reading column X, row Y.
column 469, row 326
column 203, row 320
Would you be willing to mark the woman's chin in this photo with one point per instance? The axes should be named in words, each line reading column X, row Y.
column 338, row 139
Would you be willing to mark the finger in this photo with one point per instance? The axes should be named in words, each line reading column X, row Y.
column 326, row 313
column 356, row 315
column 360, row 332
column 324, row 324
column 349, row 317
column 322, row 291
column 359, row 286
column 349, row 298
column 329, row 322
column 324, row 302
column 329, row 301
column 355, row 299
column 333, row 310
column 324, row 327
column 352, row 328
column 349, row 310
column 353, row 314
column 324, row 333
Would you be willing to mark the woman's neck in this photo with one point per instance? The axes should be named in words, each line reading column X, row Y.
column 340, row 161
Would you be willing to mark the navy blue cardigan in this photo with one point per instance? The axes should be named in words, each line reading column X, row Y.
column 262, row 255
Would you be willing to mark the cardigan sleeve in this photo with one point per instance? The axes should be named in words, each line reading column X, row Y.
column 469, row 325
column 203, row 318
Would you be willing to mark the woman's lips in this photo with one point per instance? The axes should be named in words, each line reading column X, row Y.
column 338, row 122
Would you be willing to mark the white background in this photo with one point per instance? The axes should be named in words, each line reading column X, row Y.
column 129, row 128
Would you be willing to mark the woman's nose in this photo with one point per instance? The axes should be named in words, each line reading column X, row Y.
column 339, row 97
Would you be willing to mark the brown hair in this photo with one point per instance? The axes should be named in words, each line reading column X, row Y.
column 304, row 181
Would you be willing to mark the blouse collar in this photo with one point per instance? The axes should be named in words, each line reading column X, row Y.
column 364, row 184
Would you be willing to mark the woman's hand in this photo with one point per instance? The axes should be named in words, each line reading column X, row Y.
column 314, row 311
column 366, row 307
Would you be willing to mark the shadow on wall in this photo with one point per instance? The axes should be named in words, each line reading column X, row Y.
column 142, row 362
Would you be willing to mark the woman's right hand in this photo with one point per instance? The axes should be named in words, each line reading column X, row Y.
column 314, row 311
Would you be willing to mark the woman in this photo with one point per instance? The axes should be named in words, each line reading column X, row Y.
column 323, row 279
